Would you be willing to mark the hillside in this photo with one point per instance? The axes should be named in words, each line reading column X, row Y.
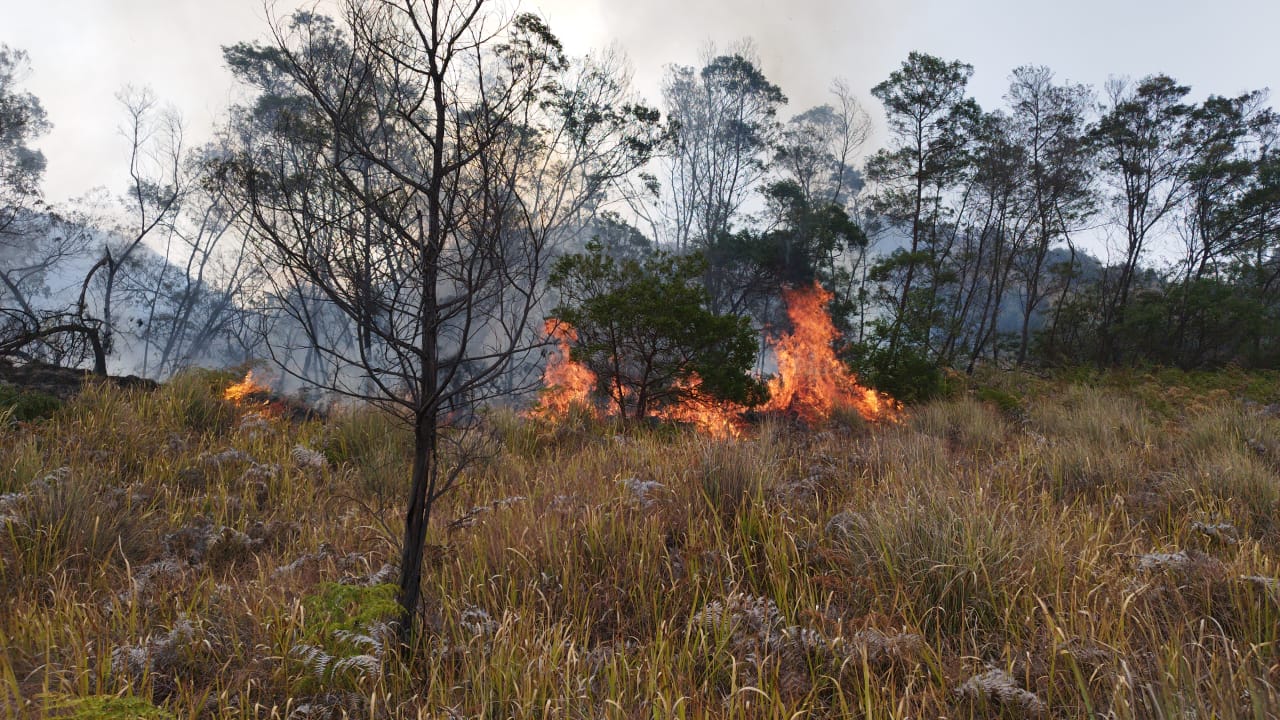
column 1083, row 545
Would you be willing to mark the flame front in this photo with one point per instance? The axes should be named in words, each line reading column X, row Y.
column 241, row 392
column 811, row 381
column 567, row 384
column 718, row 418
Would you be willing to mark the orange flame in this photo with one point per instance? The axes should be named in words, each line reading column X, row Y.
column 718, row 418
column 241, row 392
column 567, row 384
column 812, row 382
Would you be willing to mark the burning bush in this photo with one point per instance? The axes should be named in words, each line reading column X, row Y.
column 640, row 332
column 811, row 381
column 811, row 385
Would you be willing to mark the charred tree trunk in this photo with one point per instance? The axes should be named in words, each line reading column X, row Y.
column 417, row 516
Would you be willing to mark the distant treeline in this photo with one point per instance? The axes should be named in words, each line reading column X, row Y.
column 1070, row 226
column 1118, row 225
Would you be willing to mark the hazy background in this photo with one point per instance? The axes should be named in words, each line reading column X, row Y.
column 84, row 51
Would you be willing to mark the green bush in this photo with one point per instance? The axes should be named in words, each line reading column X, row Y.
column 908, row 374
column 195, row 398
column 106, row 707
column 347, row 608
column 1005, row 401
column 26, row 405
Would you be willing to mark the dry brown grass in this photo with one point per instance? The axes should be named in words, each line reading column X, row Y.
column 1104, row 547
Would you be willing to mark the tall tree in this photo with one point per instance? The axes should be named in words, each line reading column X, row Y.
column 413, row 170
column 1142, row 141
column 154, row 198
column 194, row 295
column 930, row 121
column 724, row 120
column 1050, row 125
column 34, row 243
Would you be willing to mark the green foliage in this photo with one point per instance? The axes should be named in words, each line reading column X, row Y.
column 106, row 707
column 644, row 328
column 26, row 405
column 908, row 374
column 1007, row 402
column 347, row 608
column 807, row 237
column 195, row 398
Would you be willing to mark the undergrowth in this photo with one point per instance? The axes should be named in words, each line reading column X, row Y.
column 1077, row 545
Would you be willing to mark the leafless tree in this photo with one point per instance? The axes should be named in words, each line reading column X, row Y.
column 194, row 293
column 412, row 170
column 155, row 193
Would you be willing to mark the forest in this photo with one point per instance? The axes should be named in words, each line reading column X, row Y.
column 452, row 377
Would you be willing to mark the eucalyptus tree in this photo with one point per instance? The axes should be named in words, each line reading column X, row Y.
column 22, row 120
column 1229, row 222
column 812, row 204
column 1144, row 151
column 34, row 244
column 724, row 123
column 1051, row 127
column 413, row 167
column 194, row 296
column 930, row 122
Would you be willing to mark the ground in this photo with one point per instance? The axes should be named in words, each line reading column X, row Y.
column 1064, row 546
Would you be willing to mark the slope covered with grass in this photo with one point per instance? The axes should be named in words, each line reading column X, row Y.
column 1029, row 548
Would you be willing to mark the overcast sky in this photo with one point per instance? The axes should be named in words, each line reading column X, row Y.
column 84, row 51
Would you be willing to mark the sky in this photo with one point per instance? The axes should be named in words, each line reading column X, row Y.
column 83, row 52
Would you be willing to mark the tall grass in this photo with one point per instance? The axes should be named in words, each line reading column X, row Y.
column 1070, row 548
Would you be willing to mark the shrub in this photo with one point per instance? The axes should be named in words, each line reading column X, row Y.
column 339, row 608
column 26, row 405
column 193, row 399
column 106, row 707
column 908, row 375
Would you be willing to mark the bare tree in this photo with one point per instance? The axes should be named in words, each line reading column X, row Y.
column 413, row 170
column 154, row 197
column 192, row 295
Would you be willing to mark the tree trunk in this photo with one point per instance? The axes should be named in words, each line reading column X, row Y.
column 415, row 523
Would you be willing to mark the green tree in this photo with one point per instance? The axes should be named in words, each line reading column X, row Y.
column 1144, row 150
column 724, row 121
column 645, row 329
column 930, row 122
column 34, row 243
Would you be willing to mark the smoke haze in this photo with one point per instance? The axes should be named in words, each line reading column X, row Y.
column 84, row 51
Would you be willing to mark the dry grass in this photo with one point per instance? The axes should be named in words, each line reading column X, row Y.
column 1099, row 547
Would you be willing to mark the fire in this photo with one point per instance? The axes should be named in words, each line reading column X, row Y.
column 717, row 418
column 243, row 391
column 812, row 382
column 567, row 383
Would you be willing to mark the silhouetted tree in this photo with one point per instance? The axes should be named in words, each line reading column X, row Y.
column 1144, row 151
column 930, row 120
column 724, row 124
column 413, row 171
